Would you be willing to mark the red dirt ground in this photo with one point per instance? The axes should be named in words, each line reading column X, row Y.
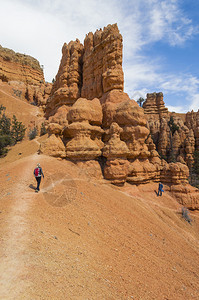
column 80, row 238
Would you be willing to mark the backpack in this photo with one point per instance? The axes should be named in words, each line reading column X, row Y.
column 36, row 172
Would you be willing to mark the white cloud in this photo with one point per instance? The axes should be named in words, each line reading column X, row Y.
column 167, row 21
column 194, row 103
column 177, row 109
column 40, row 28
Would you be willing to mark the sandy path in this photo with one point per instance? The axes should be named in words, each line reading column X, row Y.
column 16, row 235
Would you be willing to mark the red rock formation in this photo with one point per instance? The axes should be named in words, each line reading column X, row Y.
column 84, row 137
column 53, row 146
column 94, row 123
column 186, row 195
column 116, row 152
column 68, row 83
column 102, row 62
column 19, row 67
column 154, row 106
column 38, row 94
column 24, row 74
column 88, row 71
column 179, row 144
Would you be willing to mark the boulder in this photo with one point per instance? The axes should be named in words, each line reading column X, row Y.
column 53, row 146
column 84, row 109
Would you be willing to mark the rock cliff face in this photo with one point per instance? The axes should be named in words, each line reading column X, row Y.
column 19, row 67
column 88, row 71
column 68, row 83
column 154, row 106
column 92, row 122
column 102, row 62
column 25, row 75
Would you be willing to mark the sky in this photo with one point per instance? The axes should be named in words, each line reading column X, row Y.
column 160, row 40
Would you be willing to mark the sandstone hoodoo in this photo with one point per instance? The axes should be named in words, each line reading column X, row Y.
column 175, row 135
column 91, row 119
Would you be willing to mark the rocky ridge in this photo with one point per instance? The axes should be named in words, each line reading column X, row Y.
column 25, row 75
column 19, row 67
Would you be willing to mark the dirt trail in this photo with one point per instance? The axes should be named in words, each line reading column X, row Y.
column 14, row 244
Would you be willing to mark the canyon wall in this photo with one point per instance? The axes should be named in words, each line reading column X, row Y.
column 19, row 67
column 25, row 75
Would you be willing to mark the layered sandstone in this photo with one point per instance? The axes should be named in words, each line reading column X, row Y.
column 25, row 75
column 154, row 106
column 88, row 70
column 176, row 144
column 19, row 67
column 84, row 131
column 68, row 82
column 102, row 62
column 38, row 94
column 93, row 123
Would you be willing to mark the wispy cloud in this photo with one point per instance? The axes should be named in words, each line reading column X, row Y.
column 167, row 21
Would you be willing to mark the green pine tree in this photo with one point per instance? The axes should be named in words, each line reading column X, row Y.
column 18, row 130
column 140, row 101
column 173, row 127
column 196, row 162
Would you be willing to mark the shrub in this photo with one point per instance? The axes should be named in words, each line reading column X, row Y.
column 33, row 133
column 43, row 129
column 196, row 162
column 172, row 125
column 5, row 141
column 18, row 130
column 185, row 215
column 10, row 132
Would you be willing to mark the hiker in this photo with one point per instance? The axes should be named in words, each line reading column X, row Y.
column 160, row 189
column 37, row 173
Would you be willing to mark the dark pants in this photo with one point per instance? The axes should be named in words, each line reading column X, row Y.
column 38, row 182
column 160, row 192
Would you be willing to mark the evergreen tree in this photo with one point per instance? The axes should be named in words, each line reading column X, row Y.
column 5, row 137
column 196, row 162
column 173, row 127
column 43, row 129
column 5, row 124
column 140, row 101
column 10, row 132
column 18, row 130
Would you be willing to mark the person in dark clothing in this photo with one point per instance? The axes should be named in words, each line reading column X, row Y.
column 160, row 189
column 38, row 173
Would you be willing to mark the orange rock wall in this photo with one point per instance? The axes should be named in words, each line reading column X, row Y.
column 102, row 62
column 88, row 71
column 19, row 67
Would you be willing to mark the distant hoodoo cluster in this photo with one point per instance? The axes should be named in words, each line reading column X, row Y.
column 176, row 136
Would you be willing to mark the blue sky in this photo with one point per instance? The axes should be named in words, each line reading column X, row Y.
column 160, row 38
